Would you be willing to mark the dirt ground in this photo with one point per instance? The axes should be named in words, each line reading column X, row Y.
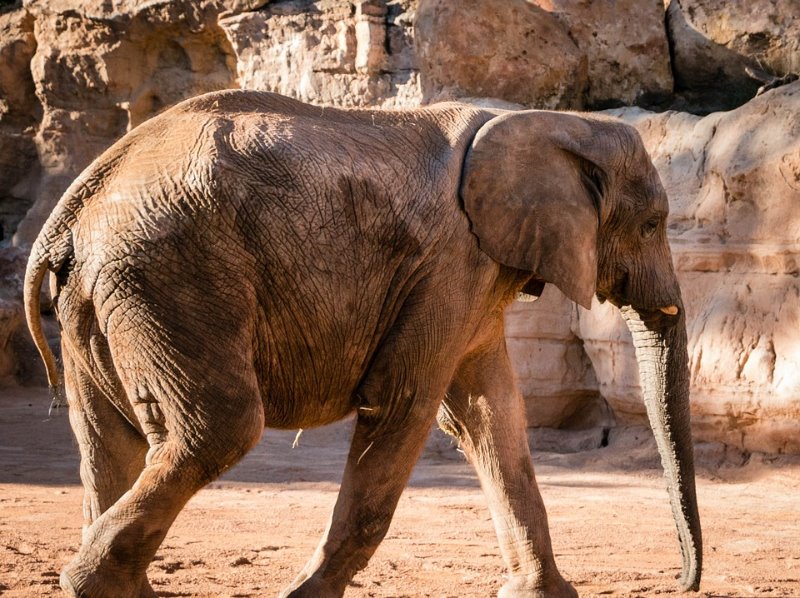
column 251, row 532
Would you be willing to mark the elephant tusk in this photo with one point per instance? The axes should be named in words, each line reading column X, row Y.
column 672, row 310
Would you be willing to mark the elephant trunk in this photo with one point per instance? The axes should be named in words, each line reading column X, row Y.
column 660, row 344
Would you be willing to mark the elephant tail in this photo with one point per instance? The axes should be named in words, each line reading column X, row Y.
column 54, row 248
column 51, row 250
column 39, row 264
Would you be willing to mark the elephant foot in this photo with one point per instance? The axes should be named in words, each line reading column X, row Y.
column 76, row 582
column 311, row 588
column 531, row 586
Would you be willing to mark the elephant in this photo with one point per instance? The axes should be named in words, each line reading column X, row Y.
column 246, row 261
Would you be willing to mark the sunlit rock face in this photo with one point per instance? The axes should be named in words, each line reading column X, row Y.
column 333, row 53
column 733, row 179
column 19, row 359
column 545, row 53
column 554, row 372
column 101, row 68
column 512, row 50
column 76, row 76
column 19, row 114
column 627, row 64
column 12, row 264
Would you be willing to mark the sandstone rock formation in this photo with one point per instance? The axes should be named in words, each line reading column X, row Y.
column 18, row 357
column 733, row 180
column 76, row 75
column 12, row 263
column 554, row 372
column 100, row 70
column 545, row 53
column 511, row 50
column 626, row 47
column 19, row 114
column 734, row 183
column 713, row 41
column 340, row 53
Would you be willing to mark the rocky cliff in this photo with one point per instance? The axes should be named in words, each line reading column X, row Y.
column 74, row 76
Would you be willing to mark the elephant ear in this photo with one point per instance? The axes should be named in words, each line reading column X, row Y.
column 532, row 194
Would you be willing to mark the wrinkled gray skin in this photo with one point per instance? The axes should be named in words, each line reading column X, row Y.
column 245, row 261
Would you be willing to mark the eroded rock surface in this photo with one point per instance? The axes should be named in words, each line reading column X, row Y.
column 511, row 50
column 100, row 69
column 734, row 185
column 554, row 373
column 332, row 52
column 19, row 360
column 733, row 180
column 19, row 115
column 625, row 43
column 715, row 41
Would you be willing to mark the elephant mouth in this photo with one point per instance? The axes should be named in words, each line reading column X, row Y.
column 616, row 292
column 653, row 319
column 655, row 315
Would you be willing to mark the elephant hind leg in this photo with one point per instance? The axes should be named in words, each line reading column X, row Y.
column 112, row 448
column 112, row 451
column 201, row 411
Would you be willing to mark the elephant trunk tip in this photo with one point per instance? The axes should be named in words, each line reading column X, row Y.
column 691, row 581
column 692, row 566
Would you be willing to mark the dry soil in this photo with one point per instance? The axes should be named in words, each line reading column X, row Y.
column 251, row 532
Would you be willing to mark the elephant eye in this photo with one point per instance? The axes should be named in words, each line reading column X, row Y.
column 649, row 228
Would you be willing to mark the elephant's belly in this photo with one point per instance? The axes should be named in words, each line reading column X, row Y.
column 304, row 412
column 318, row 333
column 310, row 383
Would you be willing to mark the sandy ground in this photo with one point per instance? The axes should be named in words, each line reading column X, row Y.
column 251, row 532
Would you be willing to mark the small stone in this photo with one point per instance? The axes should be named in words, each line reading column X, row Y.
column 242, row 560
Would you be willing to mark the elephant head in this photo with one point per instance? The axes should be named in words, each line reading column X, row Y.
column 576, row 201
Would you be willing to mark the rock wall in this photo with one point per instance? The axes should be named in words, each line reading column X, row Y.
column 553, row 369
column 733, row 179
column 20, row 115
column 513, row 50
column 335, row 53
column 715, row 42
column 77, row 74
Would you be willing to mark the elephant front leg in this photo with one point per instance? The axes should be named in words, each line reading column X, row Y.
column 378, row 467
column 485, row 411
